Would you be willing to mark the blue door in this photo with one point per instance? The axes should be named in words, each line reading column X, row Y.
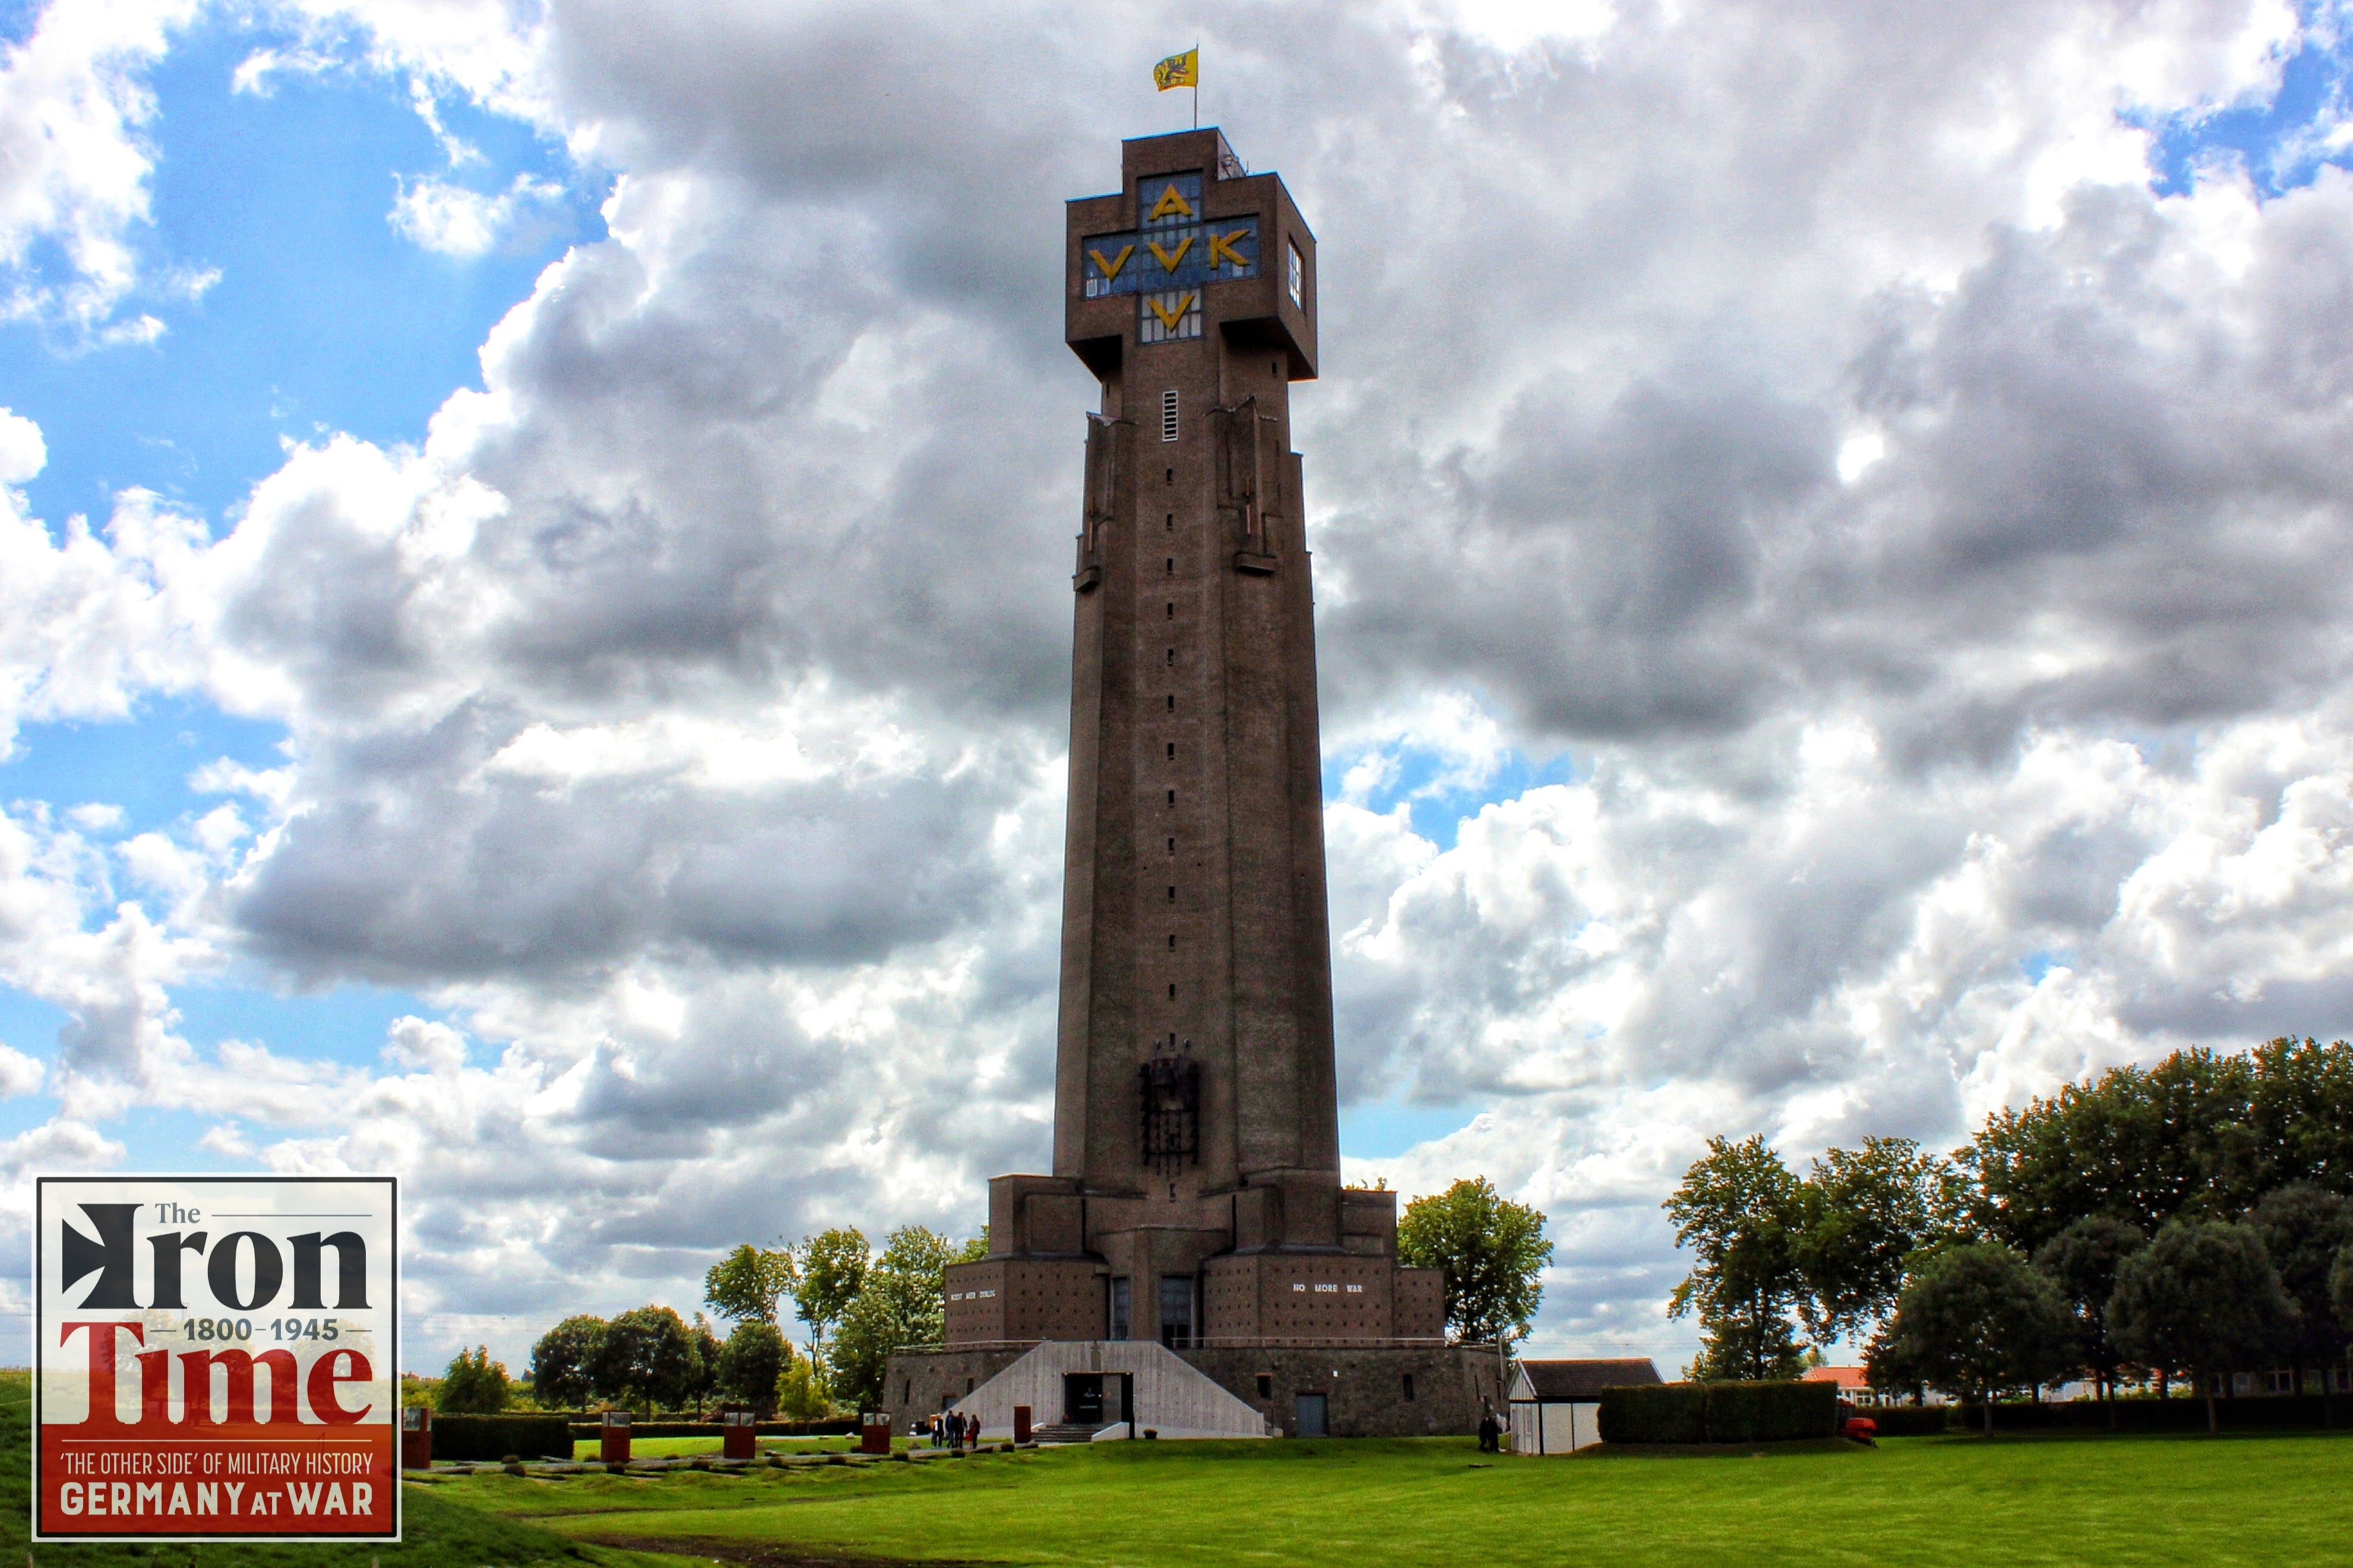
column 1311, row 1415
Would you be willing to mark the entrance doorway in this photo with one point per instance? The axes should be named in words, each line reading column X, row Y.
column 1083, row 1398
column 1176, row 1310
column 1311, row 1408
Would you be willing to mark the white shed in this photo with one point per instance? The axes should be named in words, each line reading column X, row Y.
column 1556, row 1405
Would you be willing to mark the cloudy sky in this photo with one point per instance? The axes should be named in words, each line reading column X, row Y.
column 534, row 608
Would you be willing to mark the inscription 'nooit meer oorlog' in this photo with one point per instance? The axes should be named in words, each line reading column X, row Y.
column 1195, row 1200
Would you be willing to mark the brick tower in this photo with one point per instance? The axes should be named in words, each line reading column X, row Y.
column 1195, row 1198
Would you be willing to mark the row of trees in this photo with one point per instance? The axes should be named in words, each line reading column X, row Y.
column 651, row 1357
column 2208, row 1296
column 857, row 1305
column 2191, row 1216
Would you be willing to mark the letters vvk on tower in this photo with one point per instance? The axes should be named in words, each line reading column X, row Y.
column 1194, row 1206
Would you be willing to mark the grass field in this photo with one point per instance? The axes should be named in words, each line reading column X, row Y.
column 2059, row 1500
column 1929, row 1501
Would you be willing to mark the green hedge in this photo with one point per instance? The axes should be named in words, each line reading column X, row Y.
column 1654, row 1412
column 532, row 1436
column 1909, row 1420
column 587, row 1430
column 2144, row 1413
column 1719, row 1412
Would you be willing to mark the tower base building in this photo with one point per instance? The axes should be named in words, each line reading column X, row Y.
column 1194, row 1244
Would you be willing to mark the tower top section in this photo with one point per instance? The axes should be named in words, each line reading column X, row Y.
column 1191, row 245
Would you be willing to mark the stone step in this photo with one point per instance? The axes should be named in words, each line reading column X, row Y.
column 1069, row 1432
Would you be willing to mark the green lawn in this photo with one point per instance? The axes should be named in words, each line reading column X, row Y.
column 1927, row 1501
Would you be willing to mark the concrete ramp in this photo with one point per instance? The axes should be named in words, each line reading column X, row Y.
column 1170, row 1396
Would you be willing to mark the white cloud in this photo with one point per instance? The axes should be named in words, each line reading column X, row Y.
column 19, row 1074
column 437, row 216
column 23, row 453
column 423, row 1045
column 74, row 160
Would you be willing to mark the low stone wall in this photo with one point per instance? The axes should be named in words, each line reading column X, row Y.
column 921, row 1384
column 1365, row 1387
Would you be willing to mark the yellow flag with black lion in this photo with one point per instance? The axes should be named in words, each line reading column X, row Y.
column 1178, row 70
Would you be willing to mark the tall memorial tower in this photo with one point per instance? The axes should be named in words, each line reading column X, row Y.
column 1195, row 1200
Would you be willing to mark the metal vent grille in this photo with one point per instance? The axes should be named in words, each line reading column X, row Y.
column 1168, row 415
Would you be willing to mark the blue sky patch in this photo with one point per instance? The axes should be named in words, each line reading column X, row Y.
column 2282, row 143
column 324, row 318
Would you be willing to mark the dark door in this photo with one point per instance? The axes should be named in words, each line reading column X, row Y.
column 1082, row 1397
column 1311, row 1414
column 1176, row 1310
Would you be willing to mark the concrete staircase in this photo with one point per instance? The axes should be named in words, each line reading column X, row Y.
column 1170, row 1395
column 1070, row 1431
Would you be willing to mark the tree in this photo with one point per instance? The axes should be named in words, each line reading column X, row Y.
column 2081, row 1261
column 801, row 1395
column 1739, row 1210
column 832, row 1269
column 564, row 1362
column 2300, row 1115
column 747, row 1284
column 752, row 1361
column 2136, row 1145
column 1491, row 1253
column 647, row 1359
column 2202, row 1295
column 901, row 1302
column 702, row 1379
column 1976, row 1319
column 474, row 1384
column 1860, row 1215
column 2304, row 1228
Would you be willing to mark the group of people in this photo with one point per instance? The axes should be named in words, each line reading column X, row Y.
column 1490, row 1433
column 954, row 1429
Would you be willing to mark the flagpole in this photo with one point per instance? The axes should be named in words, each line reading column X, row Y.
column 1196, row 125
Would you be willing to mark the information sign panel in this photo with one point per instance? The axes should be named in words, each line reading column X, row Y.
column 216, row 1358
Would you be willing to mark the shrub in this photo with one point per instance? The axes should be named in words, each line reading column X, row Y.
column 497, row 1436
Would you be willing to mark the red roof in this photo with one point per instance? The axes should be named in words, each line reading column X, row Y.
column 1845, row 1377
